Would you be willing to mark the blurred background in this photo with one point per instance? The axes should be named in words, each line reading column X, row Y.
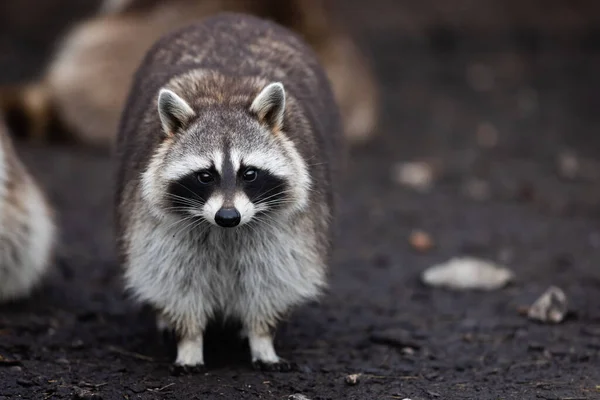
column 487, row 141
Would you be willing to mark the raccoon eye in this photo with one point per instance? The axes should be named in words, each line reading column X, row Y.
column 250, row 174
column 205, row 177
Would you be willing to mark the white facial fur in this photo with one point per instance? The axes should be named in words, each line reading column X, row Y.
column 210, row 208
column 245, row 207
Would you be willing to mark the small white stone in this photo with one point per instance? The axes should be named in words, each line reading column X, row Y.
column 467, row 273
column 417, row 175
column 352, row 379
column 550, row 307
column 297, row 396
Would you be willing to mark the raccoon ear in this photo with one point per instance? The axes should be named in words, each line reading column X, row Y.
column 173, row 111
column 269, row 105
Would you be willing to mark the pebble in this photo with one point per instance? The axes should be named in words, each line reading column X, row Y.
column 84, row 394
column 407, row 351
column 352, row 379
column 550, row 307
column 297, row 396
column 420, row 241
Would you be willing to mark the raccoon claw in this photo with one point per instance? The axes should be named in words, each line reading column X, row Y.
column 181, row 370
column 280, row 366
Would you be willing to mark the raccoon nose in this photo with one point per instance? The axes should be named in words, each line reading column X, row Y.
column 228, row 217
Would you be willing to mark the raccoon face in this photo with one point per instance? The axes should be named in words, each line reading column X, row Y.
column 226, row 166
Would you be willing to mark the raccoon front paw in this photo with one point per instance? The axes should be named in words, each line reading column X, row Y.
column 279, row 366
column 181, row 370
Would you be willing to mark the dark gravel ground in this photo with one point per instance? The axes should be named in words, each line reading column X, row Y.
column 538, row 89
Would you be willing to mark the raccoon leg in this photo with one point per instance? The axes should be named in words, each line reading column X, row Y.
column 190, row 355
column 190, row 345
column 263, row 352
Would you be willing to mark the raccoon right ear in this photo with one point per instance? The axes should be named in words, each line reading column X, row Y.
column 173, row 111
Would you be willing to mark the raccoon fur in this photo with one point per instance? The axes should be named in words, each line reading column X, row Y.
column 85, row 86
column 228, row 154
column 27, row 230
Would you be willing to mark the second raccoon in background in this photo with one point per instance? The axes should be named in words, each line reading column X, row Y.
column 27, row 230
column 86, row 84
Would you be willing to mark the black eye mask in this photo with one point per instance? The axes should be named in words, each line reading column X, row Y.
column 265, row 188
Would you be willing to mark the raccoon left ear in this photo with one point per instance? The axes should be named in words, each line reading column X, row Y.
column 173, row 111
column 269, row 105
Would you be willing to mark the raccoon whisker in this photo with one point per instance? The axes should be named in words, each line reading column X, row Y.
column 180, row 209
column 276, row 200
column 185, row 205
column 264, row 221
column 263, row 199
column 189, row 226
column 184, row 220
column 179, row 221
column 316, row 164
column 277, row 203
column 189, row 190
column 251, row 227
column 186, row 200
column 272, row 189
column 174, row 196
column 192, row 205
column 193, row 225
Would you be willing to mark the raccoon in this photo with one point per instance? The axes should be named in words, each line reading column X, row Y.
column 85, row 86
column 27, row 229
column 229, row 151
